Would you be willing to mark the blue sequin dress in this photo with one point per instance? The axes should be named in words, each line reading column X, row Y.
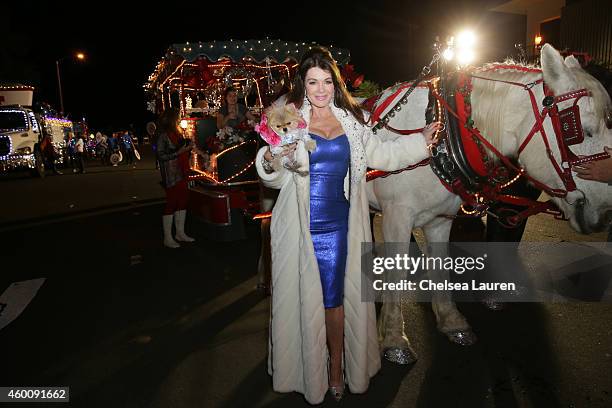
column 329, row 211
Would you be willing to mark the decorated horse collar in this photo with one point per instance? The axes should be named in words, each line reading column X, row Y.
column 462, row 159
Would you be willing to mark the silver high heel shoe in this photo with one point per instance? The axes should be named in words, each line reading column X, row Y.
column 337, row 391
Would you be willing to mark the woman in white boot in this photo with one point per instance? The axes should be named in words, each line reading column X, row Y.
column 173, row 156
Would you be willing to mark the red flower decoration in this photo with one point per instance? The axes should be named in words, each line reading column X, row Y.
column 350, row 77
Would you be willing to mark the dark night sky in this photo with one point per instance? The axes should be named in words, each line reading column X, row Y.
column 389, row 42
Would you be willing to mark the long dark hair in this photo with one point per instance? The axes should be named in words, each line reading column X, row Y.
column 225, row 93
column 320, row 57
column 168, row 120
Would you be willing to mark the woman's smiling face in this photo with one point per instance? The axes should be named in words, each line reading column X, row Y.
column 319, row 87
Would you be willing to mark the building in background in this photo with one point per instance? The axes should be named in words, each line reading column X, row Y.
column 542, row 15
column 586, row 26
column 576, row 26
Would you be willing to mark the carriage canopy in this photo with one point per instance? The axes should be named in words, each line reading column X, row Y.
column 193, row 74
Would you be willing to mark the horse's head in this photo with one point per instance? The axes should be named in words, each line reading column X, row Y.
column 590, row 205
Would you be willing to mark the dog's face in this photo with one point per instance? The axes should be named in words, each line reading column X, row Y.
column 283, row 119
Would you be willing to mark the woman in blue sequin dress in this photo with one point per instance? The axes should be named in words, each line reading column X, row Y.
column 318, row 224
column 329, row 210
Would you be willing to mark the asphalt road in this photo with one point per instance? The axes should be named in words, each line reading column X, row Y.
column 125, row 322
column 28, row 199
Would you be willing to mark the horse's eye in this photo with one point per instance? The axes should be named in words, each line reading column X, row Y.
column 609, row 120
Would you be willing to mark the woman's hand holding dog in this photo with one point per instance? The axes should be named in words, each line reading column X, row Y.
column 287, row 150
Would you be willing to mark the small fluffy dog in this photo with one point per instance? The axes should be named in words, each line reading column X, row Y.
column 282, row 124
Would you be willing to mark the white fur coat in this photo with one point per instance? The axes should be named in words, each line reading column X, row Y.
column 298, row 353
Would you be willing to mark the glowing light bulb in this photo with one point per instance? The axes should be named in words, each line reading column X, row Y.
column 466, row 39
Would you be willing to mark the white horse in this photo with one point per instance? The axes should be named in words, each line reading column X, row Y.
column 504, row 115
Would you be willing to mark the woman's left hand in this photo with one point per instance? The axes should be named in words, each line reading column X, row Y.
column 430, row 130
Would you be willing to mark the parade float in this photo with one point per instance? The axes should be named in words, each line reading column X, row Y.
column 192, row 77
column 57, row 127
column 22, row 129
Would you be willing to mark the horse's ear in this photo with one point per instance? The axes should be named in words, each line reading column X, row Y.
column 572, row 62
column 556, row 74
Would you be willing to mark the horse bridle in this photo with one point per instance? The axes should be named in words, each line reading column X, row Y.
column 568, row 131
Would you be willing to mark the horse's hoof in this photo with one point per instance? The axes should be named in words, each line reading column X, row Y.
column 493, row 304
column 462, row 337
column 400, row 355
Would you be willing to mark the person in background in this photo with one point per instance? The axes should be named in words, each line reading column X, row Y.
column 135, row 137
column 232, row 113
column 49, row 154
column 79, row 152
column 173, row 152
column 128, row 148
column 102, row 148
column 601, row 171
column 70, row 148
column 113, row 146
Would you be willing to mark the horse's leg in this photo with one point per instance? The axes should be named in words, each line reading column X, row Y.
column 449, row 320
column 397, row 226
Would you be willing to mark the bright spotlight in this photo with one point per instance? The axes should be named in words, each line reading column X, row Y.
column 183, row 124
column 448, row 54
column 466, row 39
column 465, row 57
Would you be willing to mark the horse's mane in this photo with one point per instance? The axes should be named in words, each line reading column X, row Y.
column 492, row 117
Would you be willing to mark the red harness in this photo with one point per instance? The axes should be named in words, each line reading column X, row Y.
column 378, row 110
column 370, row 105
column 567, row 128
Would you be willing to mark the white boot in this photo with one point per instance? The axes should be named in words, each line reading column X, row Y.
column 168, row 240
column 179, row 223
